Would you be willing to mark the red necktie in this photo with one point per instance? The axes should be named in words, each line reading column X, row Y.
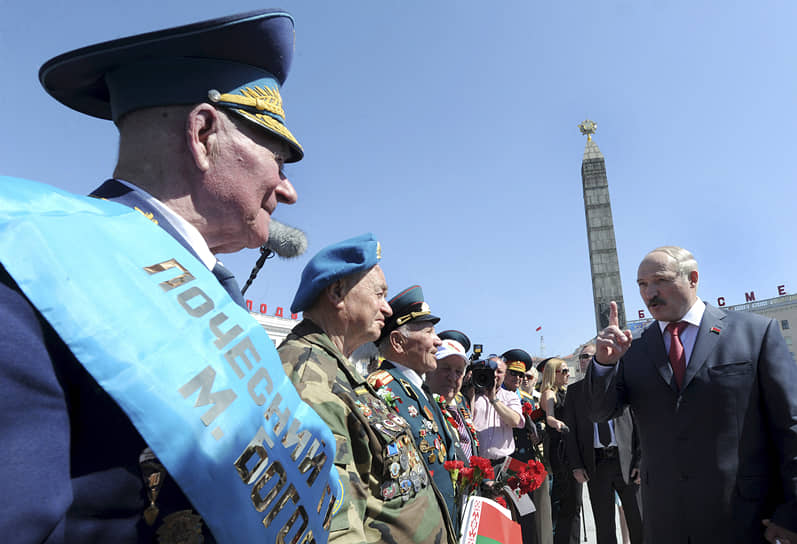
column 677, row 355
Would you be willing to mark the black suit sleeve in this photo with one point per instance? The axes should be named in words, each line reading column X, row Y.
column 777, row 378
column 605, row 393
column 572, row 452
column 35, row 428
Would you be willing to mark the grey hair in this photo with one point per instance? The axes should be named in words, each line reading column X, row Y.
column 683, row 257
column 384, row 343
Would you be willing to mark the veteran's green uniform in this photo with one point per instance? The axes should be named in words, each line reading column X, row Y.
column 389, row 496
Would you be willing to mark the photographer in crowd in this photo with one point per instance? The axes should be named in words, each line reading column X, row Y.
column 496, row 411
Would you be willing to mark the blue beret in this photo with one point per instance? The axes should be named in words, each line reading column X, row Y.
column 237, row 62
column 348, row 257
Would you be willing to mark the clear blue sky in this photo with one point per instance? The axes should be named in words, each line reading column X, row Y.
column 449, row 129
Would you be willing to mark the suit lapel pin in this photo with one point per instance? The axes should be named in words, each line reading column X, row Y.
column 715, row 330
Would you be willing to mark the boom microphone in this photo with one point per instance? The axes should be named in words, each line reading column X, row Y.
column 283, row 240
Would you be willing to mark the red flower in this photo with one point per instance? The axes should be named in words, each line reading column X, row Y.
column 528, row 409
column 453, row 465
column 484, row 466
column 537, row 415
column 501, row 501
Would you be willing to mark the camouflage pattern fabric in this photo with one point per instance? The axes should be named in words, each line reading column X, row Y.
column 388, row 494
column 437, row 441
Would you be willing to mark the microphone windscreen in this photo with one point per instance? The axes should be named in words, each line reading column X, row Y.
column 285, row 241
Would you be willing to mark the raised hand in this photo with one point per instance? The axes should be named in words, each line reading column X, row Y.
column 612, row 343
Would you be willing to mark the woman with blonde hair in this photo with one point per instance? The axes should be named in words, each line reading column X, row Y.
column 554, row 383
column 564, row 505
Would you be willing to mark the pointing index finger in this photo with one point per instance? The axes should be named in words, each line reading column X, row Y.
column 613, row 319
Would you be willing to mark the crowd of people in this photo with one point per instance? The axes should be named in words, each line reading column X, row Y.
column 140, row 402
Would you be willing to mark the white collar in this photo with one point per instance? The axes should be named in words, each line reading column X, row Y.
column 694, row 316
column 186, row 229
column 410, row 374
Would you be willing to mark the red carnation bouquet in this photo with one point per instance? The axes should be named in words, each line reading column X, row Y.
column 523, row 477
column 479, row 479
column 518, row 479
column 534, row 415
column 468, row 480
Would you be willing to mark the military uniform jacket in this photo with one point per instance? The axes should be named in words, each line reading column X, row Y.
column 436, row 439
column 71, row 458
column 388, row 496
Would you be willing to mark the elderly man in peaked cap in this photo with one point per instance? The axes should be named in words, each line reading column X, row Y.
column 409, row 345
column 122, row 356
column 389, row 495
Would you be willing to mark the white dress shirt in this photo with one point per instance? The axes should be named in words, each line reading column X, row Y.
column 188, row 231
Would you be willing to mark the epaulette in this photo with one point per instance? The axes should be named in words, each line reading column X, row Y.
column 380, row 377
column 408, row 388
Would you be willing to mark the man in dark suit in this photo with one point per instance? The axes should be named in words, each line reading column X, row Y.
column 713, row 394
column 606, row 457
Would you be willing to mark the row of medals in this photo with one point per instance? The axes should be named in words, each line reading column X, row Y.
column 433, row 446
column 406, row 469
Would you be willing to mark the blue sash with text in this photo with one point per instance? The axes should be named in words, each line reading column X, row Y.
column 195, row 373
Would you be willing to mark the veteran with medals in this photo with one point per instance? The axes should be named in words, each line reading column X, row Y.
column 139, row 401
column 389, row 494
column 409, row 346
column 445, row 382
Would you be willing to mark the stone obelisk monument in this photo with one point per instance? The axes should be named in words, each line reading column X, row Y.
column 605, row 270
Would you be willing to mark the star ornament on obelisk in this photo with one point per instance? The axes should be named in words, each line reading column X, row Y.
column 588, row 128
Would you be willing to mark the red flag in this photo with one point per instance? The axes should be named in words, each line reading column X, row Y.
column 539, row 328
column 486, row 522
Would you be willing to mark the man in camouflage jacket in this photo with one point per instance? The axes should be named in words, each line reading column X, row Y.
column 388, row 493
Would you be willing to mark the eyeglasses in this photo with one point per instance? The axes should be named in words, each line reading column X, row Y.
column 585, row 356
column 527, row 377
column 516, row 374
column 563, row 371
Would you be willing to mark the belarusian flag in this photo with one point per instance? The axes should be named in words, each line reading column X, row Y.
column 487, row 522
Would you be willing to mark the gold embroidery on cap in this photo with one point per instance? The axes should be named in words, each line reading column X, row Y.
column 259, row 98
column 271, row 124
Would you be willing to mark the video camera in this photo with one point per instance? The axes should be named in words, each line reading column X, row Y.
column 482, row 374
